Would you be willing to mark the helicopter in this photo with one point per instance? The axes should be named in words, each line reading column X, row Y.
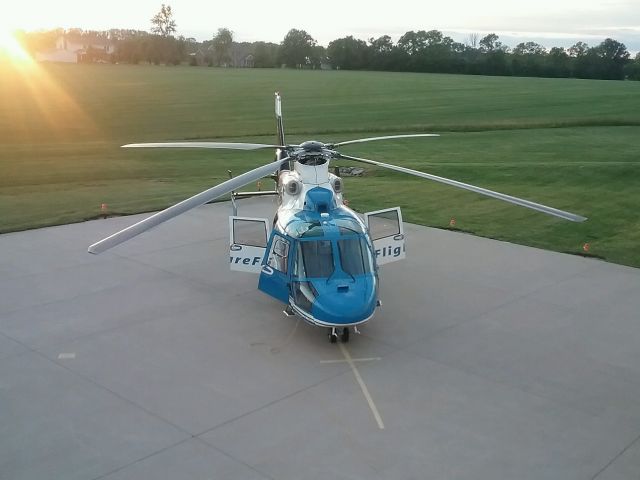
column 317, row 256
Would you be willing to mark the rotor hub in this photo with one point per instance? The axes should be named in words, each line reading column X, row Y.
column 313, row 146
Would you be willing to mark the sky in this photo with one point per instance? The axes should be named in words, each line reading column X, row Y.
column 548, row 22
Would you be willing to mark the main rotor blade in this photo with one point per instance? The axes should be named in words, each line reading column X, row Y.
column 179, row 208
column 230, row 146
column 489, row 193
column 388, row 137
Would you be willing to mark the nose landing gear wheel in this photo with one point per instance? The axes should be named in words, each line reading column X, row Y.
column 345, row 335
column 333, row 335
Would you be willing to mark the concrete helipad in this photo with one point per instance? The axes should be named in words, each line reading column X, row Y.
column 152, row 361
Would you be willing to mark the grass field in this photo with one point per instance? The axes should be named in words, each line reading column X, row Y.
column 571, row 144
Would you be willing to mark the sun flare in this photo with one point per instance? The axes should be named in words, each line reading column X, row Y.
column 10, row 47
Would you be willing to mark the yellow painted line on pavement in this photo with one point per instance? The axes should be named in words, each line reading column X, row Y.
column 363, row 386
column 367, row 359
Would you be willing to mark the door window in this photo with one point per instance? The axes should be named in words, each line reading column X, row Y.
column 279, row 254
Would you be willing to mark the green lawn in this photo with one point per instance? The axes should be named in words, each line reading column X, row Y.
column 572, row 144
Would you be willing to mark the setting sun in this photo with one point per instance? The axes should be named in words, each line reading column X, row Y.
column 9, row 46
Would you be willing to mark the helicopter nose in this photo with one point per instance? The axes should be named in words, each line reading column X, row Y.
column 345, row 304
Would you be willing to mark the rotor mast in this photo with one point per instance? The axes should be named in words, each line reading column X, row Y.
column 280, row 154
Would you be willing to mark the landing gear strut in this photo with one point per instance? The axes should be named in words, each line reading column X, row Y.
column 333, row 335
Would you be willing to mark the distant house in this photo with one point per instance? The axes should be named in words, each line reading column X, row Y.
column 241, row 55
column 77, row 49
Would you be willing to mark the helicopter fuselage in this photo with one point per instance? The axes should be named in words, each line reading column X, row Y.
column 319, row 258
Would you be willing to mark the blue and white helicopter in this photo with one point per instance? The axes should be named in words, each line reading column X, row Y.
column 318, row 256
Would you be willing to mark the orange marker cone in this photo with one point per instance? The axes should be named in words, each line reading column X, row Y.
column 104, row 209
column 452, row 222
column 586, row 247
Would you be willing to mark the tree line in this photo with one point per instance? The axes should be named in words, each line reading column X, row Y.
column 421, row 51
column 431, row 51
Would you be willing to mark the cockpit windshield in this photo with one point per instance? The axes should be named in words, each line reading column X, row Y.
column 305, row 229
column 317, row 258
column 355, row 257
column 348, row 225
column 320, row 228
